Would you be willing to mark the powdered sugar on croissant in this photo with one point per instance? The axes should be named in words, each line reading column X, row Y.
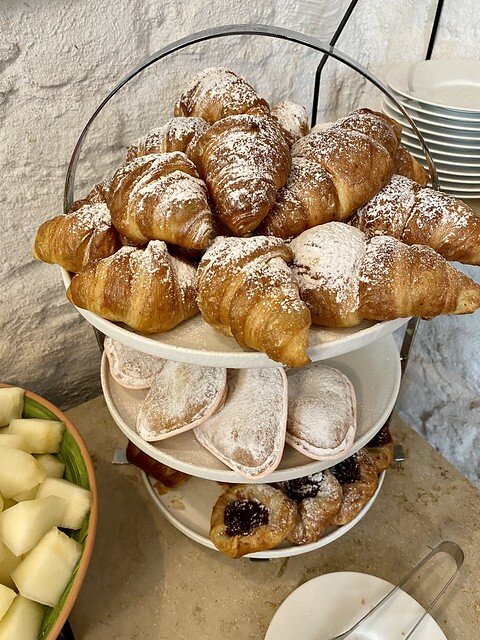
column 292, row 118
column 178, row 134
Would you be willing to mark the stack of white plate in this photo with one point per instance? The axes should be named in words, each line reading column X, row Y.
column 443, row 99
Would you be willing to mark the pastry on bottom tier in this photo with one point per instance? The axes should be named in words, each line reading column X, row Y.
column 321, row 412
column 181, row 397
column 129, row 367
column 319, row 498
column 380, row 449
column 167, row 478
column 248, row 432
column 249, row 518
column 359, row 480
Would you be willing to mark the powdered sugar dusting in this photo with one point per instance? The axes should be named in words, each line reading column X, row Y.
column 181, row 396
column 293, row 120
column 129, row 367
column 90, row 217
column 321, row 412
column 248, row 432
column 178, row 134
column 329, row 256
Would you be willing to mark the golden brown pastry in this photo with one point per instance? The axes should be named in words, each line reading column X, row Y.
column 380, row 449
column 417, row 215
column 81, row 236
column 244, row 160
column 334, row 172
column 345, row 278
column 293, row 120
column 146, row 289
column 359, row 481
column 216, row 93
column 178, row 134
column 406, row 165
column 249, row 518
column 246, row 290
column 161, row 197
column 319, row 498
column 167, row 477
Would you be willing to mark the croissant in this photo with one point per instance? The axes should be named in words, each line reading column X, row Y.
column 292, row 118
column 246, row 290
column 416, row 215
column 216, row 93
column 334, row 172
column 406, row 165
column 161, row 197
column 146, row 289
column 244, row 160
column 178, row 134
column 81, row 236
column 345, row 278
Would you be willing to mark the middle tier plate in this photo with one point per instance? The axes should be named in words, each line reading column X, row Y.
column 373, row 370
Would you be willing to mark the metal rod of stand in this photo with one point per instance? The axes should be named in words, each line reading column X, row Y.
column 333, row 41
column 433, row 34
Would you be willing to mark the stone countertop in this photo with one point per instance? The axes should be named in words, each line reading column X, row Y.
column 148, row 581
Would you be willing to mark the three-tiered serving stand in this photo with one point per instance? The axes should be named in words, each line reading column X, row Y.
column 367, row 354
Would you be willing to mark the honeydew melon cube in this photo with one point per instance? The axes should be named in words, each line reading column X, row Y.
column 8, row 563
column 25, row 524
column 11, row 404
column 19, row 471
column 41, row 436
column 53, row 467
column 77, row 498
column 1, row 503
column 45, row 572
column 22, row 621
column 7, row 596
column 3, row 551
column 30, row 494
column 13, row 441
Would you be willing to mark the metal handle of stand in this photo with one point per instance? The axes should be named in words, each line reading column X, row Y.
column 450, row 548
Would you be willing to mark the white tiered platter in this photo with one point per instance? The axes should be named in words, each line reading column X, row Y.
column 195, row 342
column 374, row 372
column 189, row 508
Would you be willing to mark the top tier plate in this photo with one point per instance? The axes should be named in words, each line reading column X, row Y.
column 195, row 342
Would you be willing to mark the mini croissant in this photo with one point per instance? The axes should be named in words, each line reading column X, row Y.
column 161, row 197
column 216, row 93
column 244, row 160
column 178, row 134
column 414, row 215
column 345, row 278
column 147, row 289
column 246, row 290
column 81, row 236
column 334, row 172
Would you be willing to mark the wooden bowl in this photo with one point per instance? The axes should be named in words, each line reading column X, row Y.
column 78, row 469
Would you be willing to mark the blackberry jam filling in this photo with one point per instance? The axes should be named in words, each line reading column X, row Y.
column 383, row 437
column 243, row 516
column 347, row 471
column 302, row 488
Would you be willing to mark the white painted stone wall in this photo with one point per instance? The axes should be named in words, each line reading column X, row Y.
column 58, row 59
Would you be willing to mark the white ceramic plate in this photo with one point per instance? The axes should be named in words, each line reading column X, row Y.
column 457, row 153
column 195, row 342
column 450, row 85
column 189, row 508
column 373, row 370
column 466, row 167
column 431, row 122
column 441, row 115
column 330, row 604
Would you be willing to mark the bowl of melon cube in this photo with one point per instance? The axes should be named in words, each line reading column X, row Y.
column 48, row 516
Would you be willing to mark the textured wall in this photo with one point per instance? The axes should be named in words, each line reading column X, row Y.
column 59, row 59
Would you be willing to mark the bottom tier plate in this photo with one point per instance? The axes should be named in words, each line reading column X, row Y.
column 189, row 508
column 374, row 372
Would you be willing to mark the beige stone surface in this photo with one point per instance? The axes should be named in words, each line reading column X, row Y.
column 147, row 581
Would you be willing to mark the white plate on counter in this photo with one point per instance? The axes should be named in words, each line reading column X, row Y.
column 189, row 508
column 444, row 85
column 195, row 342
column 330, row 604
column 450, row 117
column 374, row 372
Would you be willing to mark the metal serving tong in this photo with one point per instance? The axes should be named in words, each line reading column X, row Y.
column 450, row 548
